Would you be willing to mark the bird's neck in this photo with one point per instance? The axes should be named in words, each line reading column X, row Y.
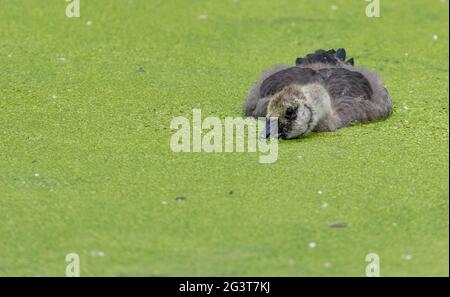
column 318, row 99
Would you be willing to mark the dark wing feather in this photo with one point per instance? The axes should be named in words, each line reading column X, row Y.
column 277, row 81
column 341, row 82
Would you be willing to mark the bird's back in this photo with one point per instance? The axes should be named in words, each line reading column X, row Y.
column 277, row 81
column 339, row 82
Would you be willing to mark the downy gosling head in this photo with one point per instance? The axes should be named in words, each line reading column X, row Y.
column 298, row 109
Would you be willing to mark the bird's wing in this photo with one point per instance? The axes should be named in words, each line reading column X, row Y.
column 277, row 81
column 341, row 82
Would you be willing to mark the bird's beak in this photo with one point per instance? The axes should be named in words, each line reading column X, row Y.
column 271, row 129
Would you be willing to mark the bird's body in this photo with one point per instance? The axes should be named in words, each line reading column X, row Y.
column 339, row 93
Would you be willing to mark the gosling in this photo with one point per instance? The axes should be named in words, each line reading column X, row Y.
column 323, row 92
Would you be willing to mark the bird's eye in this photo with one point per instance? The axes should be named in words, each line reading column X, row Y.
column 291, row 113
